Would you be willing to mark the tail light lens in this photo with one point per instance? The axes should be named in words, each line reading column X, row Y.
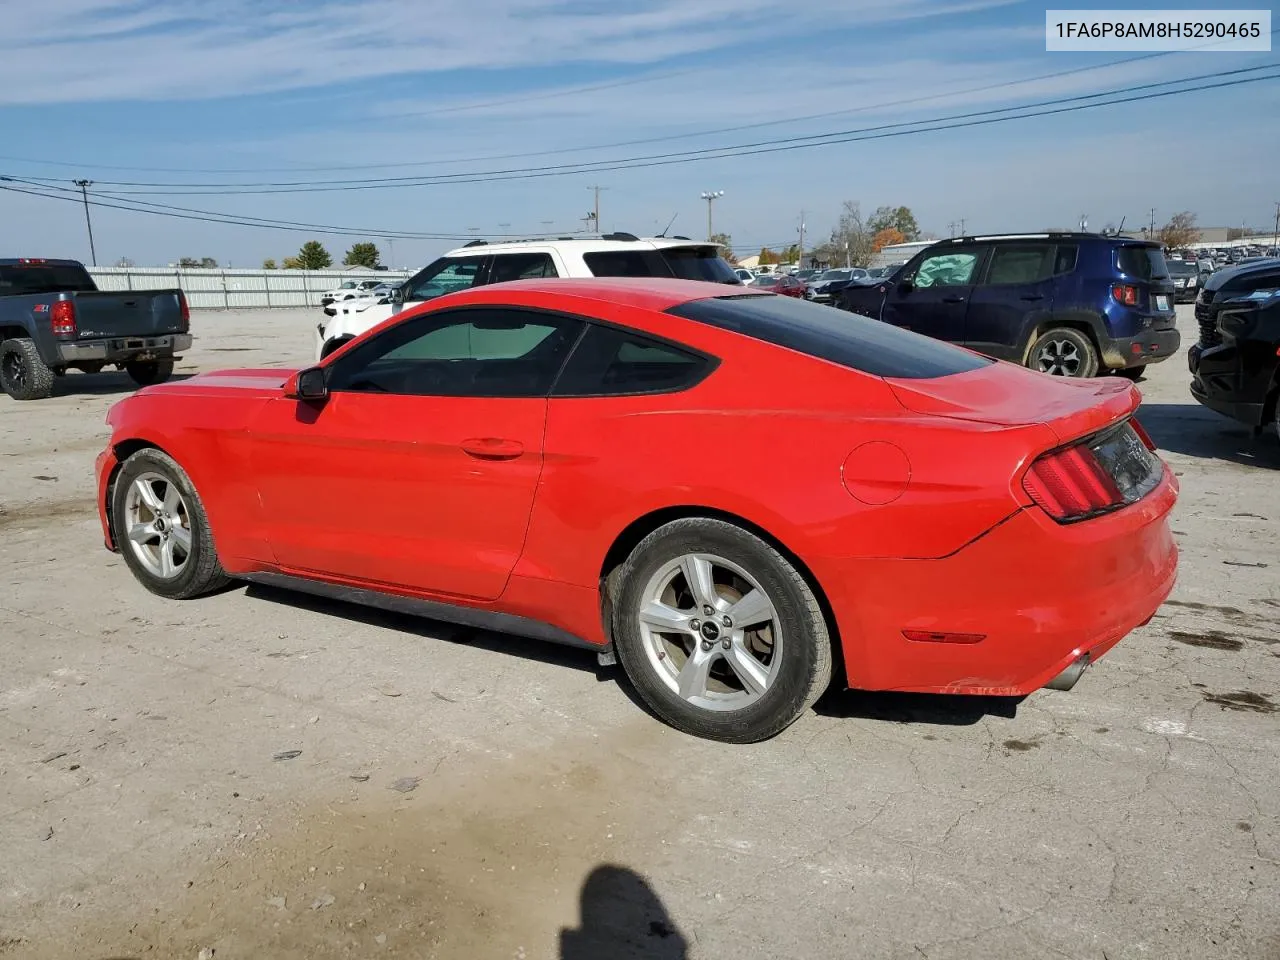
column 186, row 310
column 1096, row 475
column 1126, row 294
column 63, row 318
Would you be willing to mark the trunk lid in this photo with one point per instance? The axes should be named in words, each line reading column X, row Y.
column 1004, row 394
column 146, row 313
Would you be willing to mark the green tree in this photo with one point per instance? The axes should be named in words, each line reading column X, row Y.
column 268, row 264
column 767, row 256
column 726, row 246
column 895, row 218
column 313, row 256
column 192, row 263
column 363, row 255
column 292, row 263
column 791, row 254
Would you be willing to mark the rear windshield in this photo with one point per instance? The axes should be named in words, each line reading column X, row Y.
column 27, row 279
column 1144, row 263
column 834, row 335
column 1180, row 268
column 687, row 263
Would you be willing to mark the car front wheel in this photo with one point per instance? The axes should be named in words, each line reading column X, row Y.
column 159, row 524
column 719, row 633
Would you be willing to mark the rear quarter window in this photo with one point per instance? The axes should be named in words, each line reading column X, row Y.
column 852, row 341
column 1142, row 262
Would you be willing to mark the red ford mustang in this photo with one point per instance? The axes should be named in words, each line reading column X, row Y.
column 729, row 492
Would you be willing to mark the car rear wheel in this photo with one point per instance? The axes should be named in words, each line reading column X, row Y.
column 1064, row 352
column 159, row 524
column 23, row 375
column 719, row 633
column 147, row 372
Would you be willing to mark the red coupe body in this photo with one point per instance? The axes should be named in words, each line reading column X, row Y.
column 904, row 499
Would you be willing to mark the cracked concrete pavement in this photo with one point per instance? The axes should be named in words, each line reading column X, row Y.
column 143, row 812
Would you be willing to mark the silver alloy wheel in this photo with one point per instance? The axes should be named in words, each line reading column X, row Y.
column 710, row 632
column 158, row 525
column 1059, row 358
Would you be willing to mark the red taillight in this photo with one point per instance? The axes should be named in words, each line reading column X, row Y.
column 1141, row 431
column 185, row 308
column 1071, row 483
column 1126, row 294
column 63, row 318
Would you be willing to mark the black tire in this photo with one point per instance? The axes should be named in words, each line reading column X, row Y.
column 336, row 344
column 146, row 372
column 201, row 572
column 1064, row 352
column 1134, row 373
column 804, row 672
column 23, row 374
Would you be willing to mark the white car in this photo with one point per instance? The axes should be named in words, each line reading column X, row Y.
column 745, row 275
column 479, row 263
column 348, row 290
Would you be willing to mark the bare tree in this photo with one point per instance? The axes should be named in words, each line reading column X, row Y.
column 1180, row 231
column 850, row 241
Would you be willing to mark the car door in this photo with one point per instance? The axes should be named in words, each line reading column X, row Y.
column 418, row 469
column 1016, row 288
column 933, row 296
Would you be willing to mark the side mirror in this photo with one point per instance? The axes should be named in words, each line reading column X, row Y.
column 396, row 295
column 906, row 285
column 307, row 384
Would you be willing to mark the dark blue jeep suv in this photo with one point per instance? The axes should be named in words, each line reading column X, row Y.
column 1068, row 304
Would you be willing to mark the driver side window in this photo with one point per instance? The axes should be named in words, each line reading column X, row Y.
column 946, row 270
column 477, row 352
column 444, row 276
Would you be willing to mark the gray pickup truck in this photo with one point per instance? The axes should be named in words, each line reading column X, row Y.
column 53, row 319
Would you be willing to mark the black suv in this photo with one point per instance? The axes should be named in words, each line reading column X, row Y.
column 1236, row 366
column 1068, row 304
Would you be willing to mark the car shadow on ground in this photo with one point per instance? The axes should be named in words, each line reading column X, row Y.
column 101, row 384
column 940, row 710
column 1192, row 430
column 507, row 644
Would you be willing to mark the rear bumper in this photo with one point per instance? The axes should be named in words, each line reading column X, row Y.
column 121, row 349
column 1039, row 594
column 104, row 468
column 1150, row 346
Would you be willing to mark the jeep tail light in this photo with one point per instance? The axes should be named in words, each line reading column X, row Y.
column 63, row 318
column 1126, row 294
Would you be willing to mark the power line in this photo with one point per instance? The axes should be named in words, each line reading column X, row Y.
column 884, row 131
column 624, row 143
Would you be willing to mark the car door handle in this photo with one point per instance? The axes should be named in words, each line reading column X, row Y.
column 1032, row 296
column 493, row 448
column 954, row 298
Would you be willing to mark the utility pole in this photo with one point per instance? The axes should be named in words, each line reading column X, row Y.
column 800, row 258
column 962, row 226
column 595, row 210
column 391, row 246
column 711, row 196
column 1152, row 234
column 84, row 186
column 1275, row 237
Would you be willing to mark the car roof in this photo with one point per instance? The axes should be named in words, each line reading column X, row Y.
column 606, row 244
column 647, row 293
column 1074, row 237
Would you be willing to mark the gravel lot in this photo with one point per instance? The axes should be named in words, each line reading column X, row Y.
column 470, row 795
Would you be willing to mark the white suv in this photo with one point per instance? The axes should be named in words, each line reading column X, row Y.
column 480, row 262
column 349, row 290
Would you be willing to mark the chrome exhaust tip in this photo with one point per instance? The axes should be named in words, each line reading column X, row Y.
column 1068, row 677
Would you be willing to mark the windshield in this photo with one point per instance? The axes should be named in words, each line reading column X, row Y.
column 1180, row 268
column 699, row 263
column 33, row 278
column 835, row 275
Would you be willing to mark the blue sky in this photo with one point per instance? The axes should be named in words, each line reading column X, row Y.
column 179, row 92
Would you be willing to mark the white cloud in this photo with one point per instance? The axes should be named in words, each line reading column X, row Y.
column 181, row 49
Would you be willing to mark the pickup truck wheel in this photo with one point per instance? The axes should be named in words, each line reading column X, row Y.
column 159, row 524
column 1064, row 352
column 147, row 372
column 23, row 374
